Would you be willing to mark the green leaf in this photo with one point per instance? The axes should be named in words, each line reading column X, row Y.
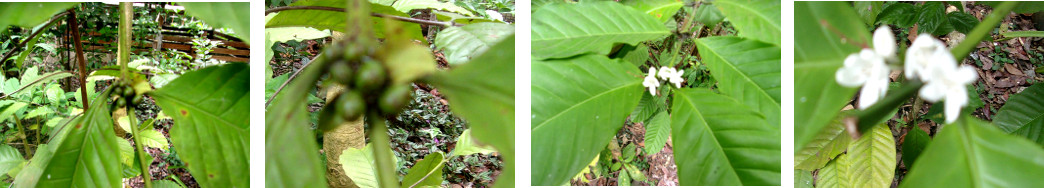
column 578, row 105
column 962, row 22
column 408, row 5
column 291, row 152
column 756, row 19
column 29, row 14
column 1027, row 7
column 335, row 21
column 803, row 179
column 460, row 44
column 9, row 108
column 868, row 10
column 483, row 93
column 232, row 15
column 656, row 132
column 832, row 141
column 10, row 159
column 729, row 143
column 359, row 165
column 284, row 34
column 819, row 53
column 915, row 142
column 647, row 107
column 746, row 70
column 592, row 27
column 972, row 153
column 900, row 14
column 426, row 172
column 211, row 113
column 165, row 184
column 662, row 10
column 1023, row 114
column 931, row 17
column 81, row 155
column 152, row 138
column 31, row 80
column 407, row 62
column 467, row 146
column 709, row 14
column 834, row 174
column 872, row 159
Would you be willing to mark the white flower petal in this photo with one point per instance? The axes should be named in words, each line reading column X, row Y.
column 868, row 96
column 965, row 75
column 850, row 77
column 665, row 72
column 955, row 100
column 933, row 92
column 652, row 72
column 884, row 41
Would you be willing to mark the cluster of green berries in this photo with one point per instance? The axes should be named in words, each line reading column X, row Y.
column 367, row 85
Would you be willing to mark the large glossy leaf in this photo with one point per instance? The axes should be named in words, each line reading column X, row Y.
column 818, row 53
column 84, row 154
column 565, row 29
column 460, row 44
column 829, row 143
column 746, row 70
column 1023, row 114
column 426, row 172
column 408, row 5
column 972, row 153
column 359, row 165
column 467, row 146
column 233, row 15
column 29, row 14
column 483, row 93
column 10, row 158
column 291, row 152
column 913, row 145
column 834, row 174
column 872, row 159
column 211, row 111
column 756, row 19
column 656, row 132
column 803, row 179
column 722, row 141
column 663, row 10
column 578, row 105
column 335, row 21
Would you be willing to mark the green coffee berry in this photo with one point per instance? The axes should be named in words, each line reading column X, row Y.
column 351, row 105
column 371, row 76
column 395, row 98
column 341, row 72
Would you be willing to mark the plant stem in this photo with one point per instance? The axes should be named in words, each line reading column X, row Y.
column 123, row 48
column 25, row 136
column 139, row 150
column 982, row 30
column 861, row 121
column 74, row 28
column 380, row 140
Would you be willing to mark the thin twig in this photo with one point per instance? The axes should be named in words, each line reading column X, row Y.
column 400, row 18
column 33, row 35
column 292, row 76
column 74, row 25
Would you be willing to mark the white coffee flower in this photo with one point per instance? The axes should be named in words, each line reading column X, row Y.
column 651, row 82
column 921, row 57
column 676, row 78
column 884, row 43
column 948, row 83
column 866, row 69
column 665, row 72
